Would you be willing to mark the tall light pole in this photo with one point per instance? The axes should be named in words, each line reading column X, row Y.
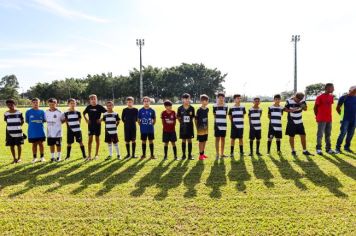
column 140, row 43
column 295, row 40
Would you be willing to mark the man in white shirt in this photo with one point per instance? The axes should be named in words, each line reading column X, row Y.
column 54, row 118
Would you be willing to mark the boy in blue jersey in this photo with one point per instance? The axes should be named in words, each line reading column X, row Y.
column 147, row 120
column 36, row 134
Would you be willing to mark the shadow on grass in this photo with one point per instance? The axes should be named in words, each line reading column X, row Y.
column 151, row 178
column 192, row 179
column 343, row 165
column 239, row 173
column 217, row 178
column 172, row 179
column 319, row 178
column 121, row 177
column 287, row 172
column 261, row 171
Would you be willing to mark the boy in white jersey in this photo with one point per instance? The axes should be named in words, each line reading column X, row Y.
column 275, row 113
column 54, row 118
column 236, row 115
column 14, row 136
column 254, row 115
column 220, row 112
column 73, row 119
column 111, row 120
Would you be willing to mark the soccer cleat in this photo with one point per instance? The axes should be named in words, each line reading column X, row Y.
column 251, row 154
column 294, row 153
column 119, row 157
column 67, row 158
column 184, row 157
column 88, row 159
column 143, row 157
column 133, row 157
column 330, row 151
column 53, row 160
column 165, row 158
column 224, row 156
column 34, row 160
column 338, row 151
column 307, row 153
column 319, row 152
column 153, row 157
column 108, row 157
column 190, row 158
column 42, row 159
column 176, row 159
column 96, row 157
column 201, row 157
column 348, row 150
column 258, row 154
column 58, row 159
column 232, row 155
column 127, row 156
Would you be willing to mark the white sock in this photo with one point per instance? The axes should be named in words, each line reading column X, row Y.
column 59, row 155
column 52, row 155
column 116, row 145
column 110, row 149
column 305, row 150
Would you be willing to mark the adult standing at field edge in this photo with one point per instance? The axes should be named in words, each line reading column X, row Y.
column 348, row 121
column 323, row 114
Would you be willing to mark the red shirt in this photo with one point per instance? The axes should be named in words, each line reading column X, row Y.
column 324, row 103
column 169, row 121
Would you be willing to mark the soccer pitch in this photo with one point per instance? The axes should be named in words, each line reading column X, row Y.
column 249, row 195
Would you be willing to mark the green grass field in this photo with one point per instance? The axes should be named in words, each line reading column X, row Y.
column 268, row 195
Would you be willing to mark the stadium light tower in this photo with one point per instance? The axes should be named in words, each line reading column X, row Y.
column 140, row 43
column 295, row 40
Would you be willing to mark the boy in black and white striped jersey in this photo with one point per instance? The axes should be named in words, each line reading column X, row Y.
column 236, row 115
column 14, row 135
column 220, row 110
column 73, row 120
column 254, row 115
column 295, row 106
column 275, row 113
column 111, row 120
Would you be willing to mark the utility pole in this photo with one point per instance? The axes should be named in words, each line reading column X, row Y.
column 295, row 40
column 140, row 43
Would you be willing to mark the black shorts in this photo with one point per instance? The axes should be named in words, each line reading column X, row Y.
column 186, row 132
column 130, row 133
column 54, row 141
column 273, row 133
column 34, row 140
column 219, row 133
column 295, row 129
column 74, row 135
column 111, row 138
column 236, row 133
column 94, row 129
column 13, row 141
column 149, row 136
column 202, row 138
column 169, row 137
column 255, row 134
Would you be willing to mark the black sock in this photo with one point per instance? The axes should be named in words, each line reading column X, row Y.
column 144, row 149
column 35, row 156
column 151, row 149
column 175, row 151
column 269, row 143
column 82, row 148
column 190, row 147
column 69, row 148
column 258, row 146
column 133, row 146
column 202, row 153
column 42, row 155
column 232, row 149
column 183, row 148
column 278, row 145
column 165, row 151
column 128, row 148
column 251, row 146
column 241, row 149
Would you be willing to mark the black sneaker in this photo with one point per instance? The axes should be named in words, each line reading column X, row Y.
column 190, row 158
column 119, row 157
column 307, row 153
column 108, row 157
column 133, row 157
column 258, row 154
column 67, row 158
column 165, row 158
column 127, row 156
column 176, row 159
column 184, row 157
column 53, row 159
column 348, row 150
column 294, row 153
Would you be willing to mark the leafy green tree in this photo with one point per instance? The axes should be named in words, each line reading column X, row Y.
column 8, row 87
column 314, row 89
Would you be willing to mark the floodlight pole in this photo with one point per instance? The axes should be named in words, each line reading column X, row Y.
column 295, row 39
column 140, row 43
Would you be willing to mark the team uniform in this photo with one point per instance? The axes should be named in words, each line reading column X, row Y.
column 237, row 125
column 74, row 132
column 110, row 120
column 186, row 116
column 146, row 117
column 295, row 122
column 169, row 124
column 255, row 123
column 202, row 124
column 220, row 124
column 14, row 135
column 35, row 120
column 54, row 127
column 129, row 117
column 275, row 123
column 94, row 112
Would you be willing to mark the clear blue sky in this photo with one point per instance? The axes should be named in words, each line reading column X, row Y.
column 44, row 40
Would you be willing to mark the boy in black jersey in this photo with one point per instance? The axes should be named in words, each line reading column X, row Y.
column 94, row 111
column 73, row 120
column 201, row 122
column 185, row 116
column 129, row 118
column 275, row 113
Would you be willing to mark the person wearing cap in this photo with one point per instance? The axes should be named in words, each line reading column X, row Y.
column 348, row 121
column 323, row 114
